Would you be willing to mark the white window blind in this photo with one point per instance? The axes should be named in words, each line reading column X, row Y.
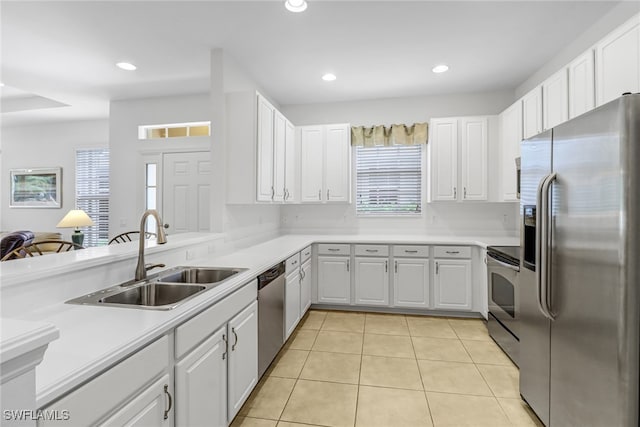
column 389, row 180
column 92, row 193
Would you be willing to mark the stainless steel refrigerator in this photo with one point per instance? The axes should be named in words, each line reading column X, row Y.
column 579, row 299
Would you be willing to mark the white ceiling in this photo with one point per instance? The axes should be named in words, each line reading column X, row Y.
column 66, row 51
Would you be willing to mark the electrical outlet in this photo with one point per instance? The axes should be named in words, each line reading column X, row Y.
column 191, row 254
column 505, row 219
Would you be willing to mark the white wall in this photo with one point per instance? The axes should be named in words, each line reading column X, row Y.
column 607, row 23
column 437, row 218
column 46, row 145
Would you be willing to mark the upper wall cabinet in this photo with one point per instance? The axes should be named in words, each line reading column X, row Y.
column 555, row 100
column 459, row 144
column 510, row 137
column 581, row 84
column 532, row 113
column 618, row 62
column 325, row 163
column 261, row 151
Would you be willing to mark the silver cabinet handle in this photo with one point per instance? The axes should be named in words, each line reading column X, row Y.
column 226, row 346
column 465, row 192
column 327, row 194
column 455, row 193
column 386, row 266
column 396, row 266
column 319, row 194
column 294, row 262
column 437, row 268
column 373, row 251
column 407, row 251
column 273, row 192
column 333, row 249
column 233, row 347
column 453, row 252
column 347, row 265
column 166, row 391
column 286, row 193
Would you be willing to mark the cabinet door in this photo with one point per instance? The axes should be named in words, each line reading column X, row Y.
column 555, row 100
column 372, row 281
column 510, row 137
column 411, row 282
column 452, row 287
column 290, row 164
column 532, row 113
column 581, row 84
column 279, row 153
column 618, row 62
column 334, row 280
column 292, row 302
column 305, row 287
column 147, row 408
column 443, row 146
column 265, row 192
column 242, row 331
column 337, row 163
column 474, row 158
column 201, row 384
column 311, row 164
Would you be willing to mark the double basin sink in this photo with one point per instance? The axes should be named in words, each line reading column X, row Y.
column 163, row 291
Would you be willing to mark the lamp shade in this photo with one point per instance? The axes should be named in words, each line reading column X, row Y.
column 75, row 218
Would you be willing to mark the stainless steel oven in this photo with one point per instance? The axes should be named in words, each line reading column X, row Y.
column 503, row 268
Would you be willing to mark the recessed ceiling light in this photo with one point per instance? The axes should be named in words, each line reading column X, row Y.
column 1, row 84
column 329, row 77
column 440, row 68
column 295, row 5
column 126, row 66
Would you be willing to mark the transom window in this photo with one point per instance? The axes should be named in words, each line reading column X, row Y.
column 389, row 180
column 175, row 130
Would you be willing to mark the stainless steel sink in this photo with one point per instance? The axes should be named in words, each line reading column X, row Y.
column 153, row 294
column 198, row 275
column 162, row 291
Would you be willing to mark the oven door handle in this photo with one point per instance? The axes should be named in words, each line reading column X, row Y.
column 492, row 260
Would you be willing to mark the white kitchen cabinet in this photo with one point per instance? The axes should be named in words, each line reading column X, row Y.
column 532, row 113
column 150, row 407
column 372, row 281
column 555, row 100
column 242, row 332
column 411, row 282
column 279, row 156
column 510, row 137
column 582, row 84
column 325, row 163
column 305, row 287
column 443, row 147
column 459, row 144
column 203, row 372
column 452, row 284
column 290, row 164
column 292, row 302
column 474, row 144
column 265, row 185
column 334, row 279
column 618, row 62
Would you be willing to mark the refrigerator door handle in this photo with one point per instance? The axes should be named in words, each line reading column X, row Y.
column 539, row 243
column 542, row 245
column 548, row 229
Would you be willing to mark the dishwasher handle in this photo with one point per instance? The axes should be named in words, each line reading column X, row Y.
column 270, row 275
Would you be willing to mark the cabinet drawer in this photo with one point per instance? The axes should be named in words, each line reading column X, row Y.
column 194, row 331
column 333, row 249
column 452, row 252
column 372, row 250
column 293, row 262
column 411, row 251
column 305, row 254
column 91, row 402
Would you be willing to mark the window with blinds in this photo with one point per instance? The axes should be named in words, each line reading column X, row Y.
column 389, row 180
column 92, row 193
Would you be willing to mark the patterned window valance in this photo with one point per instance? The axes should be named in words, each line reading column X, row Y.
column 376, row 136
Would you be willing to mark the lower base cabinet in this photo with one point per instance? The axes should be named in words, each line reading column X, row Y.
column 292, row 302
column 305, row 287
column 203, row 372
column 372, row 281
column 452, row 284
column 148, row 408
column 411, row 283
column 334, row 280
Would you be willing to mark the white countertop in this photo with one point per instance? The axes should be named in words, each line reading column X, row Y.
column 94, row 338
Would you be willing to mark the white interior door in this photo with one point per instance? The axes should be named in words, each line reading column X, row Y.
column 186, row 187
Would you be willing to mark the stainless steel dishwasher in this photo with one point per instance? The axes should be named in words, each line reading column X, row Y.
column 270, row 315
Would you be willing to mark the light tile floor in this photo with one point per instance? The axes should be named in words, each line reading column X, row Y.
column 363, row 369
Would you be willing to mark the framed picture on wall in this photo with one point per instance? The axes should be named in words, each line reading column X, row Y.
column 36, row 188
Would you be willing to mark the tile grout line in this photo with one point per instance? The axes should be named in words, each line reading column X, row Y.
column 364, row 328
column 424, row 389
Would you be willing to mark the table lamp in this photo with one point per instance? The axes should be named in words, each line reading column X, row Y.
column 76, row 218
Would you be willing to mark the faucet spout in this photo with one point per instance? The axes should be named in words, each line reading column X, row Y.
column 141, row 271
